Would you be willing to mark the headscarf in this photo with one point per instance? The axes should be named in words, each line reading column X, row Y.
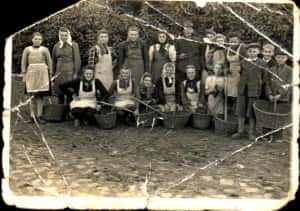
column 162, row 49
column 69, row 40
column 169, row 64
column 164, row 76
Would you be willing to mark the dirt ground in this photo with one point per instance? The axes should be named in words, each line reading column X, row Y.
column 130, row 162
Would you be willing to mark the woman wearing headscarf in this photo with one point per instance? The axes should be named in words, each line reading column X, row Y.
column 168, row 90
column 100, row 59
column 66, row 61
column 159, row 54
column 133, row 53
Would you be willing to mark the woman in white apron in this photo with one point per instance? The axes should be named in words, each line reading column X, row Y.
column 86, row 93
column 37, row 70
column 125, row 89
column 190, row 90
column 100, row 59
column 168, row 90
column 233, row 76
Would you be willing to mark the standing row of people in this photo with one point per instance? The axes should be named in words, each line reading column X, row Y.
column 181, row 75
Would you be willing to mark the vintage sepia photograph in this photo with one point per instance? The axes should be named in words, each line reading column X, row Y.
column 162, row 105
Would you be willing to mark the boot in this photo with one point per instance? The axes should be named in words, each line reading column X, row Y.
column 241, row 128
column 252, row 136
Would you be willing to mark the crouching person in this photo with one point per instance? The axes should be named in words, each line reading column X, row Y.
column 86, row 92
column 147, row 93
column 125, row 90
column 168, row 90
column 249, row 89
column 190, row 91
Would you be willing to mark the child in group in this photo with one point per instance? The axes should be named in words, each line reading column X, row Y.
column 274, row 89
column 267, row 54
column 86, row 92
column 249, row 89
column 168, row 90
column 219, row 53
column 190, row 91
column 125, row 90
column 37, row 69
column 233, row 57
column 147, row 92
column 214, row 89
column 208, row 53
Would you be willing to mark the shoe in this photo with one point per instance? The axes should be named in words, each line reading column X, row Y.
column 237, row 135
column 76, row 123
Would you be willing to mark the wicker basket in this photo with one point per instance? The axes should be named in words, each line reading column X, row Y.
column 223, row 127
column 146, row 118
column 54, row 112
column 265, row 117
column 201, row 120
column 174, row 120
column 106, row 120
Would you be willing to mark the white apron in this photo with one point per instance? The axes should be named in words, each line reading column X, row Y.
column 103, row 69
column 170, row 97
column 215, row 104
column 124, row 96
column 37, row 78
column 193, row 97
column 234, row 77
column 85, row 99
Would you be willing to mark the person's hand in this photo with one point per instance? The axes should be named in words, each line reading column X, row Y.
column 75, row 97
column 75, row 76
column 23, row 75
column 98, row 107
column 179, row 107
column 136, row 112
column 277, row 97
column 271, row 98
column 182, row 56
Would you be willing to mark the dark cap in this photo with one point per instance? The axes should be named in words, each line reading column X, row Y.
column 279, row 52
column 253, row 45
column 188, row 23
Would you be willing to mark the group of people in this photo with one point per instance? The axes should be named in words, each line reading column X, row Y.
column 171, row 75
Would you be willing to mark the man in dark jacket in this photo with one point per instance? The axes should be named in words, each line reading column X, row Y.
column 189, row 52
column 133, row 53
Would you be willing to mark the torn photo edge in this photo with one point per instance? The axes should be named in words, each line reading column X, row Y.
column 155, row 203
